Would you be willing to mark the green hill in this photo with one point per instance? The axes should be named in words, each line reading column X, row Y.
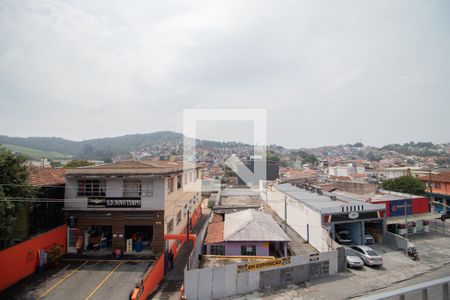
column 35, row 153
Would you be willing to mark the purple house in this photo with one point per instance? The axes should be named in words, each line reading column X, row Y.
column 247, row 232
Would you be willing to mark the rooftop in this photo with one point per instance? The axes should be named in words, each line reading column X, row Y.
column 324, row 203
column 133, row 167
column 441, row 177
column 246, row 225
column 45, row 176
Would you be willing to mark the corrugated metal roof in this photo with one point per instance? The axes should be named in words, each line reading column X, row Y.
column 252, row 225
column 324, row 203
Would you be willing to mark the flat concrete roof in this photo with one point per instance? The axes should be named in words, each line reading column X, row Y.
column 323, row 203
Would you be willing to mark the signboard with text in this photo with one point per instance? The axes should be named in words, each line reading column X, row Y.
column 114, row 202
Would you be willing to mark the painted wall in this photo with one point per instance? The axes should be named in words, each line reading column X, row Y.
column 114, row 188
column 396, row 207
column 151, row 280
column 21, row 260
column 234, row 248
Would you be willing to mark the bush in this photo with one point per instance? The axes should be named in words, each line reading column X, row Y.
column 54, row 254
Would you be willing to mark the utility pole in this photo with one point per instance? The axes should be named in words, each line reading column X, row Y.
column 187, row 236
column 285, row 214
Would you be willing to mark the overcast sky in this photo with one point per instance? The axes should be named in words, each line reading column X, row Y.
column 328, row 72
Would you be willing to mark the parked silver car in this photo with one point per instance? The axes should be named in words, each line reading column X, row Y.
column 353, row 259
column 343, row 237
column 368, row 255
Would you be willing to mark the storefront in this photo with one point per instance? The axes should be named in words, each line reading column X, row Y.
column 106, row 232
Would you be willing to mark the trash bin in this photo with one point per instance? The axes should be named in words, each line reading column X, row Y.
column 138, row 246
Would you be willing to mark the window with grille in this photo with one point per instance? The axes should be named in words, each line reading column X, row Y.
column 170, row 226
column 248, row 250
column 217, row 249
column 91, row 188
column 132, row 188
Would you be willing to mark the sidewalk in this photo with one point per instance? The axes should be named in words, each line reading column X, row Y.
column 171, row 285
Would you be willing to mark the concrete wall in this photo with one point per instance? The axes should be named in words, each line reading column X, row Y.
column 226, row 281
column 355, row 187
column 395, row 241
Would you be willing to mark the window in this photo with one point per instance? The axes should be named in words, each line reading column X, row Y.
column 170, row 184
column 92, row 188
column 148, row 189
column 178, row 217
column 170, row 226
column 437, row 185
column 217, row 249
column 248, row 250
column 132, row 188
column 179, row 182
column 185, row 178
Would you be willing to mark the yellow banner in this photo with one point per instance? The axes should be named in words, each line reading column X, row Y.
column 264, row 264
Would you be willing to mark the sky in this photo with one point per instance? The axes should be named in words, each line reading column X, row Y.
column 327, row 72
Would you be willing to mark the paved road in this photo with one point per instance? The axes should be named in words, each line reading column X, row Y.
column 170, row 287
column 433, row 293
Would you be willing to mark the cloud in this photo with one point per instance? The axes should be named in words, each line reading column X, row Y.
column 327, row 73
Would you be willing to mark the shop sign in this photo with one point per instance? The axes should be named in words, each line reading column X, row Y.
column 114, row 202
column 277, row 262
column 397, row 207
column 353, row 215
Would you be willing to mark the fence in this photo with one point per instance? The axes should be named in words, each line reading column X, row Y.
column 21, row 260
column 395, row 241
column 229, row 280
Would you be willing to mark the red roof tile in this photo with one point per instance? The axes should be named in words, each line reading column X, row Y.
column 441, row 177
column 45, row 176
column 215, row 233
column 216, row 218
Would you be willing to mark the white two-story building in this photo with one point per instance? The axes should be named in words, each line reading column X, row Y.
column 128, row 206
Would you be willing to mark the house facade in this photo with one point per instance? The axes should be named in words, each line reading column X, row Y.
column 248, row 232
column 128, row 206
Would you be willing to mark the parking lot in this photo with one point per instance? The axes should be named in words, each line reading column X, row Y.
column 92, row 279
column 433, row 252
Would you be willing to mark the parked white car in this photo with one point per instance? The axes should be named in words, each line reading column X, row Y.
column 369, row 239
column 353, row 259
column 368, row 255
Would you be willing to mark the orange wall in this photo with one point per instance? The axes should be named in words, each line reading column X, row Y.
column 154, row 278
column 445, row 189
column 21, row 260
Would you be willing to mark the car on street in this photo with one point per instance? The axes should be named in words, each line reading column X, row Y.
column 445, row 215
column 368, row 255
column 353, row 259
column 343, row 237
column 369, row 239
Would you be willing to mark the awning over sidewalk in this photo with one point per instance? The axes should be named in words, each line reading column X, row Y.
column 412, row 218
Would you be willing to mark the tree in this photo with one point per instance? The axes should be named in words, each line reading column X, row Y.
column 13, row 186
column 78, row 163
column 405, row 184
